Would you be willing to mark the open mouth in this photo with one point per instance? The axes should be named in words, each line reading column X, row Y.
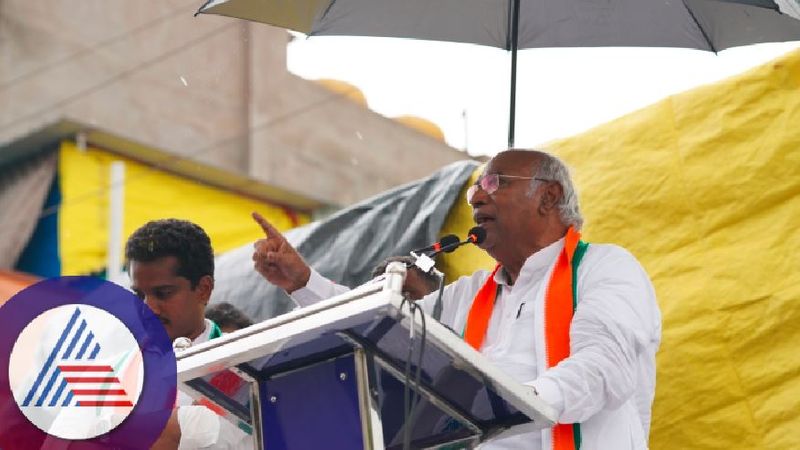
column 482, row 219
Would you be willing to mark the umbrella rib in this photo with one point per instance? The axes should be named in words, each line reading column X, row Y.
column 327, row 10
column 509, row 24
column 200, row 10
column 700, row 27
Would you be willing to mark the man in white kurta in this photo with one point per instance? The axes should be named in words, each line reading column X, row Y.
column 526, row 204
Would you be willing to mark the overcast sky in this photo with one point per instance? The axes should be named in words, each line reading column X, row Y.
column 464, row 88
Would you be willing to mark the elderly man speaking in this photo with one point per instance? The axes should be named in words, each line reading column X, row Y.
column 576, row 322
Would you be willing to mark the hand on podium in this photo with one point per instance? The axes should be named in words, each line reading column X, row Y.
column 277, row 261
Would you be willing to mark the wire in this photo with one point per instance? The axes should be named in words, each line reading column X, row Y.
column 437, row 307
column 159, row 165
column 407, row 381
column 411, row 399
column 114, row 39
column 211, row 147
column 125, row 73
column 421, row 354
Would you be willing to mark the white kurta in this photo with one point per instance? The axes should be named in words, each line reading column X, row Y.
column 608, row 382
column 202, row 428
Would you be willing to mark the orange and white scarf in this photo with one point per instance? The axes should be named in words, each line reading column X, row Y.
column 559, row 307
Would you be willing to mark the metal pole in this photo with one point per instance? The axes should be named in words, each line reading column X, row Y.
column 513, row 101
column 116, row 213
column 371, row 426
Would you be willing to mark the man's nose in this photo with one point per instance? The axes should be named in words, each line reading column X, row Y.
column 479, row 197
column 152, row 304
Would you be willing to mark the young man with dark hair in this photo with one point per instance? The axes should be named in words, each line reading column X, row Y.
column 171, row 264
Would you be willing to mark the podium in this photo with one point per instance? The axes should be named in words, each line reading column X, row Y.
column 338, row 374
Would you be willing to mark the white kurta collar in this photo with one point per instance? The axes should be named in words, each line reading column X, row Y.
column 541, row 261
column 535, row 265
column 205, row 335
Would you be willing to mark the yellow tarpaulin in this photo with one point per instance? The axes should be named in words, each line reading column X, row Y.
column 704, row 188
column 149, row 194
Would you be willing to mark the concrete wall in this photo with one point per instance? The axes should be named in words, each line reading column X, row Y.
column 210, row 88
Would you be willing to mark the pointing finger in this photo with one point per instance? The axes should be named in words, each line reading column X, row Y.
column 269, row 230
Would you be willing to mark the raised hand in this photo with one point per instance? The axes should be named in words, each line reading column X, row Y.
column 277, row 261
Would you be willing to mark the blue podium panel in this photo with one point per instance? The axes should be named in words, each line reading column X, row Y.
column 334, row 375
column 294, row 354
column 468, row 391
column 313, row 407
column 387, row 340
column 431, row 425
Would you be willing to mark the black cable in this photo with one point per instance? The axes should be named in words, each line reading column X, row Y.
column 213, row 146
column 412, row 401
column 407, row 379
column 437, row 306
column 421, row 353
column 117, row 77
column 114, row 39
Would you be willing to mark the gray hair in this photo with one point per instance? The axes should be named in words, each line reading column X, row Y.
column 552, row 168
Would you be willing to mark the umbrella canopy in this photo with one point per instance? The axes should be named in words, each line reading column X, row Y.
column 711, row 25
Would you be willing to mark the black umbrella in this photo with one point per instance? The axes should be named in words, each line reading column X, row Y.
column 711, row 25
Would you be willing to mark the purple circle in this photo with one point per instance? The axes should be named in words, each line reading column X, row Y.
column 147, row 420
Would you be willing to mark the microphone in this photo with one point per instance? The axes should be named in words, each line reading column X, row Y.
column 476, row 235
column 446, row 244
column 424, row 256
column 449, row 243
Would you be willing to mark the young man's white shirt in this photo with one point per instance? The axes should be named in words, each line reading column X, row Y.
column 202, row 428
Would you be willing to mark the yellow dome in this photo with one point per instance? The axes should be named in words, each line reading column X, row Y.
column 345, row 89
column 424, row 126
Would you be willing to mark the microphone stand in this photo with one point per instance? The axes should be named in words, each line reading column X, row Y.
column 437, row 306
column 425, row 263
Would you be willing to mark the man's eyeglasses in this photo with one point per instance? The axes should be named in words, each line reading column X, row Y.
column 491, row 182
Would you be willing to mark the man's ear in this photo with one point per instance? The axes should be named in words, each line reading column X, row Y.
column 204, row 287
column 551, row 194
